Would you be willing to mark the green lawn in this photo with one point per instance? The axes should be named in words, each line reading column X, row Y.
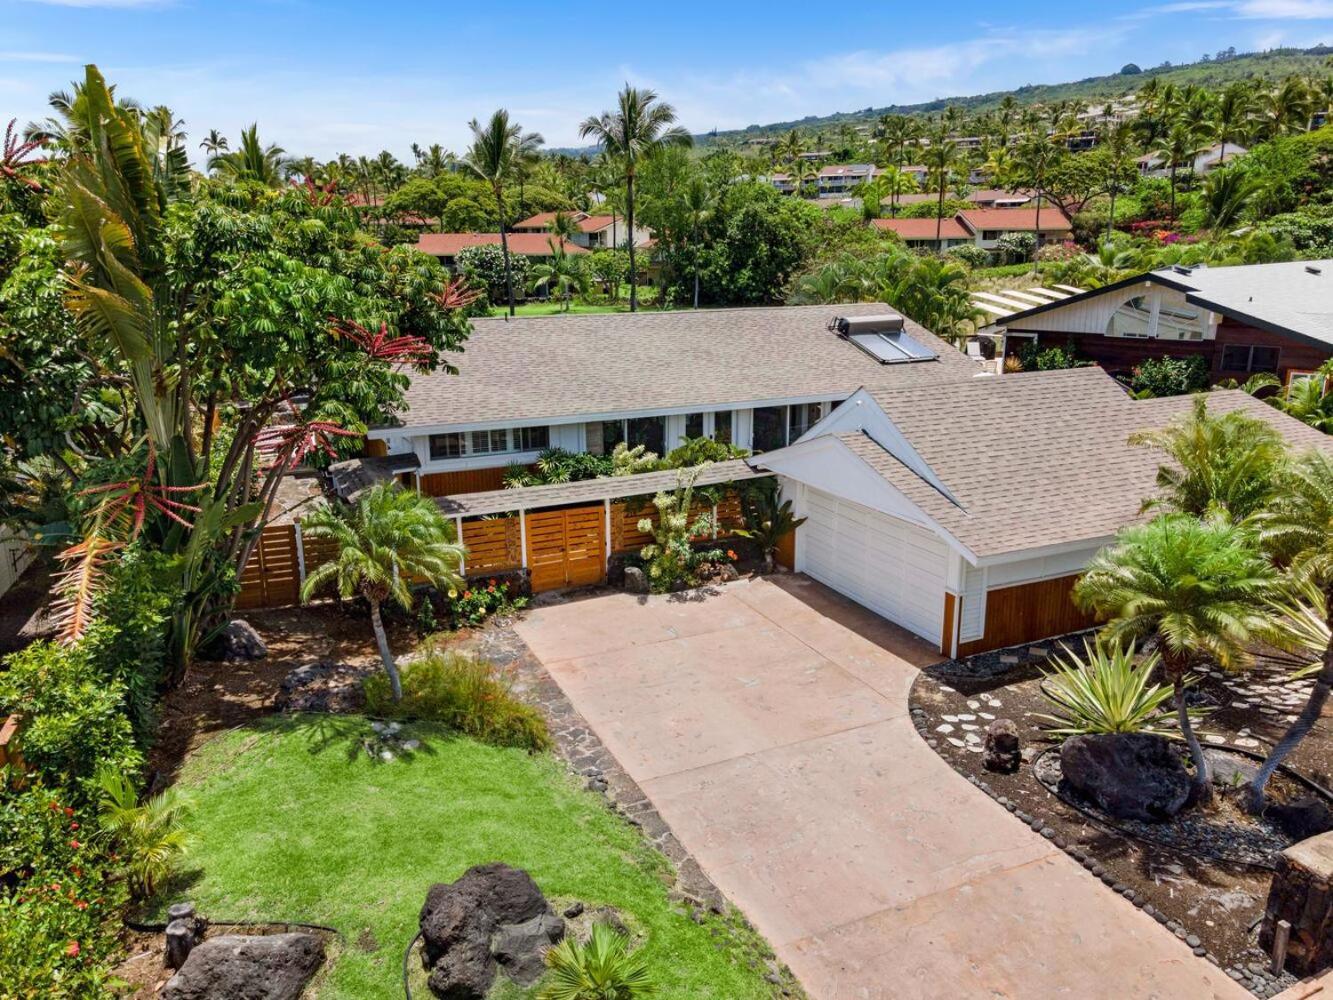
column 295, row 822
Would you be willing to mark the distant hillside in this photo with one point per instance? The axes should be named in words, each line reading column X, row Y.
column 1274, row 64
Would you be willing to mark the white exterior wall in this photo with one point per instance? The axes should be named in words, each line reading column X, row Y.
column 1093, row 315
column 16, row 555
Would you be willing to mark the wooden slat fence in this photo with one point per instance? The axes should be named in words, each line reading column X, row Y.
column 626, row 515
column 493, row 545
column 271, row 579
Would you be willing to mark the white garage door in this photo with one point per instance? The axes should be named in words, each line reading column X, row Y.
column 894, row 568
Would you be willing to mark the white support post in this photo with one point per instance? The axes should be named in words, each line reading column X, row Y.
column 715, row 522
column 300, row 553
column 606, row 530
column 462, row 560
column 523, row 535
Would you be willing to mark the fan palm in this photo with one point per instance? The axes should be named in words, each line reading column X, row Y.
column 1297, row 529
column 640, row 125
column 602, row 969
column 387, row 539
column 1224, row 465
column 1198, row 587
column 497, row 147
column 251, row 160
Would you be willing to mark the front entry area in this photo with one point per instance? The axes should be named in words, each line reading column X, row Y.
column 566, row 548
column 768, row 723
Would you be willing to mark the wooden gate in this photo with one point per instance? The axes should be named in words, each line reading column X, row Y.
column 565, row 548
column 272, row 577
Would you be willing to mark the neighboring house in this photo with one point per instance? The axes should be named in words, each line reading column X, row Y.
column 989, row 225
column 974, row 540
column 999, row 198
column 1245, row 319
column 917, row 172
column 920, row 233
column 445, row 246
column 840, row 179
column 785, row 183
column 755, row 377
column 1155, row 165
column 596, row 232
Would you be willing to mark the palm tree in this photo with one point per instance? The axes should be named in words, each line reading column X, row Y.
column 251, row 161
column 214, row 143
column 562, row 271
column 1220, row 466
column 387, row 539
column 899, row 131
column 1285, row 109
column 1226, row 193
column 563, row 227
column 699, row 204
column 1297, row 529
column 1036, row 155
column 1118, row 147
column 639, row 126
column 941, row 158
column 1180, row 148
column 1231, row 117
column 493, row 156
column 1197, row 586
column 894, row 183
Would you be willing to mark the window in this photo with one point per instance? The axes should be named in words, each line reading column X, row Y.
column 800, row 419
column 647, row 431
column 770, row 428
column 1248, row 358
column 1179, row 322
column 447, row 445
column 990, row 234
column 1133, row 319
column 722, row 426
column 694, row 425
column 486, row 442
column 531, row 438
column 613, row 432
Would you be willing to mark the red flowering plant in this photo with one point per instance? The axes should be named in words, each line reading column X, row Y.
column 478, row 600
column 16, row 158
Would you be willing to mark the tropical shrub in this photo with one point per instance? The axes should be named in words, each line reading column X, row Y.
column 484, row 267
column 699, row 450
column 464, row 693
column 1036, row 358
column 149, row 836
column 1167, row 376
column 473, row 603
column 1014, row 248
column 74, row 720
column 970, row 254
column 767, row 520
column 604, row 968
column 1104, row 691
column 672, row 561
column 555, row 465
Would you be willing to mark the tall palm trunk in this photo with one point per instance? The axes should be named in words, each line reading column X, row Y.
column 386, row 654
column 694, row 239
column 629, row 226
column 1175, row 667
column 504, row 247
column 939, row 215
column 1110, row 222
column 1173, row 192
column 1036, row 240
column 1299, row 729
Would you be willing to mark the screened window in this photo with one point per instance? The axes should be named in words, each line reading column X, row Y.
column 447, row 445
column 694, row 425
column 647, row 431
column 488, row 442
column 1133, row 319
column 770, row 428
column 531, row 438
column 722, row 426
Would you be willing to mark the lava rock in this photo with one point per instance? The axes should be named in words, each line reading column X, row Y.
column 727, row 573
column 520, row 949
column 1129, row 775
column 1002, row 750
column 248, row 967
column 322, row 686
column 636, row 580
column 1301, row 818
column 460, row 919
column 238, row 640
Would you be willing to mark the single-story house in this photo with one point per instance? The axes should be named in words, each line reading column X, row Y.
column 1244, row 319
column 595, row 232
column 921, row 233
column 756, row 377
column 973, row 540
column 446, row 246
column 989, row 225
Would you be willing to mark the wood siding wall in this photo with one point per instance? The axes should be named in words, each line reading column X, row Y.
column 1027, row 612
column 1119, row 355
column 443, row 484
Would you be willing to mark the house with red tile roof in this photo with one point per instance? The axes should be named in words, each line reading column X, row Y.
column 446, row 246
column 989, row 225
column 595, row 232
column 923, row 234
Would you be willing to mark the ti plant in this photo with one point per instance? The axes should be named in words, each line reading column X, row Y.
column 1105, row 691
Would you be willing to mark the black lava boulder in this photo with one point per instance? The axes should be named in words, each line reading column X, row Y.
column 1129, row 775
column 248, row 967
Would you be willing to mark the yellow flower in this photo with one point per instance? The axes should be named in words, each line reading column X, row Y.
column 453, row 593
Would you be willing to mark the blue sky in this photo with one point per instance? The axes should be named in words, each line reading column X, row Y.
column 324, row 77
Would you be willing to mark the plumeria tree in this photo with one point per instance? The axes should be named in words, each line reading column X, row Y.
column 232, row 325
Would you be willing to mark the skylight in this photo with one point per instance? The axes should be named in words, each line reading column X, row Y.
column 892, row 347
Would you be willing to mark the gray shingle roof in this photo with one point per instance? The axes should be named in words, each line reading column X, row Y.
column 1038, row 459
column 1288, row 295
column 552, row 368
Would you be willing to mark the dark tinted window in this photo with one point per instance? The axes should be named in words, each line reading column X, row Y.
column 770, row 428
column 722, row 426
column 446, row 445
column 694, row 425
column 647, row 431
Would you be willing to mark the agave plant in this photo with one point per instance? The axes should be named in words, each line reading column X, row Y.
column 149, row 834
column 602, row 969
column 1104, row 691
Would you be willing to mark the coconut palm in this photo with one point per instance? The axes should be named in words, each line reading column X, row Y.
column 1036, row 156
column 251, row 160
column 1198, row 587
column 497, row 147
column 1231, row 121
column 1226, row 194
column 1297, row 529
column 1180, row 146
column 561, row 271
column 941, row 157
column 1284, row 110
column 1219, row 466
column 640, row 125
column 699, row 204
column 387, row 539
column 563, row 228
column 1119, row 147
column 215, row 142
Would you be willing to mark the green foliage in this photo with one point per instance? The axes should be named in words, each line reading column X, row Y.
column 672, row 561
column 1104, row 691
column 1036, row 358
column 767, row 521
column 1297, row 527
column 474, row 602
column 484, row 267
column 1168, row 376
column 74, row 716
column 627, row 461
column 602, row 968
column 1014, row 248
column 970, row 254
column 150, row 836
column 466, row 694
column 555, row 465
column 700, row 450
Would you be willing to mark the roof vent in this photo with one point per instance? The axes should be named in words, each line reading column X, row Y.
column 879, row 323
column 1311, row 269
column 1182, row 269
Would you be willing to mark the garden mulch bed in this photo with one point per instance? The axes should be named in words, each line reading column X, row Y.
column 1212, row 904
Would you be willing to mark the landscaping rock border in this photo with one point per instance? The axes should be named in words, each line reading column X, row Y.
column 583, row 752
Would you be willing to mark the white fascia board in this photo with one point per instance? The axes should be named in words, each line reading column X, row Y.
column 415, row 430
column 826, row 464
column 861, row 414
column 1097, row 541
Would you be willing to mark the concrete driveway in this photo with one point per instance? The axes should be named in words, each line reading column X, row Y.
column 768, row 723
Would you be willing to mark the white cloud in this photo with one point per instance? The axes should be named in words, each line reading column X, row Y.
column 38, row 57
column 1285, row 10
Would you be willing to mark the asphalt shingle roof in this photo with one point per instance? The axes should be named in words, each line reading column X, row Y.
column 1295, row 295
column 1038, row 459
column 566, row 367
